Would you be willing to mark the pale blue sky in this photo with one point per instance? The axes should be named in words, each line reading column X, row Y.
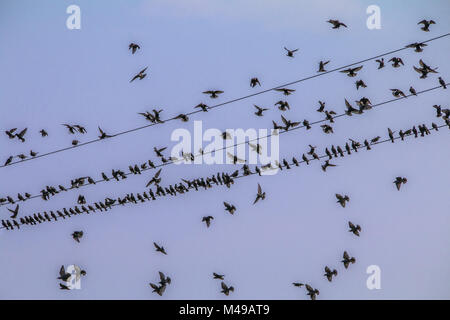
column 51, row 75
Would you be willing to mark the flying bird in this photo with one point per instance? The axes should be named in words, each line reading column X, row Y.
column 417, row 46
column 156, row 180
column 260, row 111
column 159, row 248
column 290, row 53
column 426, row 24
column 399, row 181
column 77, row 235
column 133, row 47
column 207, row 220
column 260, row 195
column 313, row 293
column 347, row 260
column 380, row 63
column 396, row 62
column 354, row 229
column 342, row 199
column 230, row 208
column 254, row 82
column 103, row 135
column 213, row 94
column 329, row 274
column 225, row 289
column 21, row 135
column 285, row 91
column 141, row 75
column 322, row 66
column 352, row 72
column 14, row 212
column 336, row 24
column 218, row 276
column 63, row 275
column 360, row 83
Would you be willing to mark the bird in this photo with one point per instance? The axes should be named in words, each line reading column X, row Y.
column 213, row 94
column 351, row 72
column 103, row 135
column 326, row 128
column 290, row 53
column 322, row 106
column 322, row 66
column 141, row 75
column 155, row 179
column 288, row 123
column 218, row 276
column 14, row 212
column 396, row 62
column 80, row 129
column 33, row 154
column 163, row 279
column 207, row 220
column 133, row 47
column 285, row 91
column 158, row 151
column 63, row 275
column 225, row 289
column 426, row 24
column 391, row 134
column 21, row 135
column 158, row 289
column 202, row 106
column 326, row 165
column 254, row 82
column 260, row 111
column 283, row 105
column 63, row 287
column 442, row 83
column 329, row 274
column 399, row 181
column 10, row 133
column 438, row 110
column 313, row 293
column 412, row 91
column 380, row 63
column 342, row 199
column 235, row 158
column 417, row 46
column 360, row 83
column 159, row 248
column 354, row 229
column 347, row 260
column 9, row 160
column 43, row 133
column 398, row 93
column 70, row 128
column 256, row 147
column 77, row 235
column 260, row 195
column 424, row 69
column 229, row 207
column 336, row 24
column 297, row 284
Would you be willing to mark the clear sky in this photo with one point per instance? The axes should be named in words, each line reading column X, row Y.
column 51, row 75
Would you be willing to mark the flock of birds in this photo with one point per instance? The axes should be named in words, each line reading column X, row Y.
column 154, row 188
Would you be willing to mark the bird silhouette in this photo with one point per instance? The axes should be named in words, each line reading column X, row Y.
column 254, row 82
column 336, row 24
column 399, row 181
column 260, row 111
column 354, row 229
column 329, row 274
column 14, row 212
column 77, row 235
column 213, row 94
column 426, row 24
column 133, row 47
column 218, row 276
column 313, row 293
column 352, row 72
column 225, row 289
column 159, row 248
column 260, row 195
column 229, row 207
column 103, row 135
column 141, row 75
column 380, row 63
column 290, row 53
column 207, row 220
column 342, row 199
column 322, row 65
column 347, row 260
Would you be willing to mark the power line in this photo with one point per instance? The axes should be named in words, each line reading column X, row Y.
column 292, row 165
column 220, row 104
column 241, row 143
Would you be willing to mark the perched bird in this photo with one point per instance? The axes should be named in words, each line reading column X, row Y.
column 159, row 248
column 14, row 212
column 218, row 276
column 347, row 260
column 354, row 229
column 235, row 158
column 260, row 111
column 103, row 135
column 133, row 47
column 213, row 94
column 351, row 72
column 417, row 46
column 412, row 91
column 322, row 66
column 225, row 289
column 8, row 161
column 398, row 93
column 254, row 82
column 285, row 91
column 391, row 134
column 313, row 293
column 230, row 208
column 33, row 154
column 342, row 199
column 141, row 75
column 336, row 24
column 77, row 235
column 290, row 53
column 442, row 83
column 260, row 195
column 380, row 63
column 329, row 274
column 207, row 220
column 399, row 181
column 426, row 24
column 360, row 83
column 396, row 62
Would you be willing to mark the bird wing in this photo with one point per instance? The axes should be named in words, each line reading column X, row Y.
column 62, row 271
column 259, row 189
